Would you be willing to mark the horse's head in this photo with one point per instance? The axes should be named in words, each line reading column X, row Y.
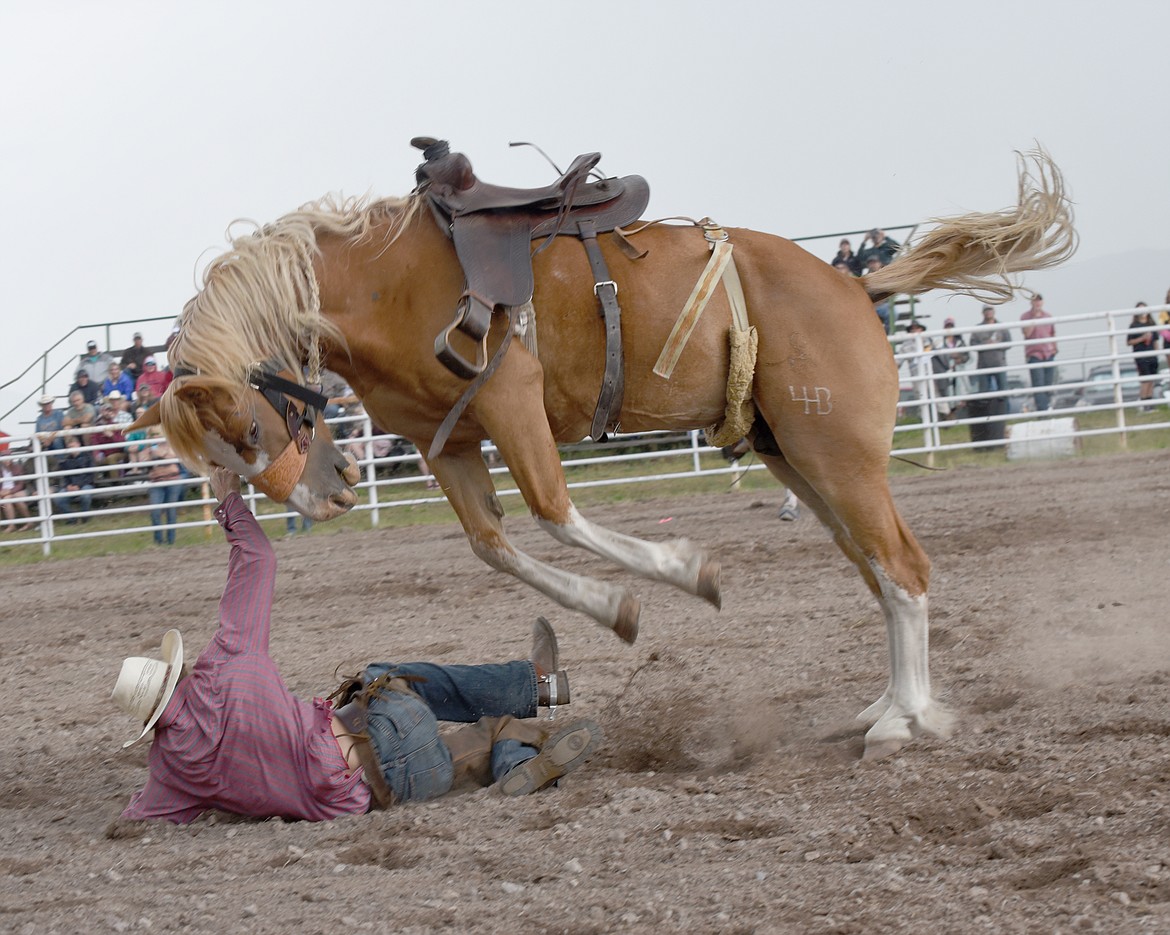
column 271, row 432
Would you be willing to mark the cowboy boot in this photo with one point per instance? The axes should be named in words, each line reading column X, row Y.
column 560, row 753
column 552, row 687
column 471, row 746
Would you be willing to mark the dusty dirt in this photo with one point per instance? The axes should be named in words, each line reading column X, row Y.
column 728, row 796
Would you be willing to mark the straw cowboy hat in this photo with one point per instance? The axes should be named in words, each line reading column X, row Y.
column 145, row 686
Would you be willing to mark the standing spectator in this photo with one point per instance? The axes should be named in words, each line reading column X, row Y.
column 994, row 380
column 12, row 487
column 80, row 413
column 1165, row 316
column 880, row 245
column 846, row 255
column 88, row 389
column 1041, row 352
column 291, row 525
column 49, row 425
column 918, row 367
column 157, row 380
column 97, row 363
column 117, row 380
column 1145, row 346
column 948, row 357
column 80, row 484
column 164, row 487
column 134, row 356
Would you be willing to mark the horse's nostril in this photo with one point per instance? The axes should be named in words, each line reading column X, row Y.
column 351, row 474
column 345, row 500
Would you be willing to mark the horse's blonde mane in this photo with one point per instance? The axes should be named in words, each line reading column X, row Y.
column 259, row 300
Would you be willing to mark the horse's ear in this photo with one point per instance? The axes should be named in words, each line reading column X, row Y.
column 194, row 391
column 151, row 416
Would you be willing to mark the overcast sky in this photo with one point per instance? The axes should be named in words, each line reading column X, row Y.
column 132, row 133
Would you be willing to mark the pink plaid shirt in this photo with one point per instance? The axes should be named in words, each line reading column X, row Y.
column 233, row 737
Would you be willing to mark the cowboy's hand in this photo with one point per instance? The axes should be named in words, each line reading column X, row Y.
column 223, row 482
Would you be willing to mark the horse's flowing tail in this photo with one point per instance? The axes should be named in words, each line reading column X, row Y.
column 977, row 254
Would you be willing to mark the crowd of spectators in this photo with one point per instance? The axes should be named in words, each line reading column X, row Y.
column 83, row 432
column 875, row 251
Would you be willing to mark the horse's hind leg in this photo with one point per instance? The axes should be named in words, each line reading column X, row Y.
column 866, row 526
column 465, row 480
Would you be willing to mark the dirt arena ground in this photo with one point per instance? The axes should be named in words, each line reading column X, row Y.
column 728, row 796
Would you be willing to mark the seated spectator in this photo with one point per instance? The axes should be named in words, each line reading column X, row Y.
column 338, row 392
column 118, row 380
column 163, row 486
column 49, row 425
column 872, row 264
column 880, row 245
column 95, row 362
column 120, row 404
column 79, row 484
column 12, row 486
column 87, row 387
column 107, row 442
column 157, row 380
column 136, row 452
column 133, row 358
column 144, row 399
column 846, row 255
column 842, row 267
column 80, row 413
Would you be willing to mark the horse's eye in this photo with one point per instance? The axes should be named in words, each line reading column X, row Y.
column 254, row 435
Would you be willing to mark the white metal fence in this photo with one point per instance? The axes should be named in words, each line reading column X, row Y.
column 938, row 412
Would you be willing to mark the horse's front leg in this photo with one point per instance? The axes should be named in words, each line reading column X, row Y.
column 512, row 412
column 465, row 480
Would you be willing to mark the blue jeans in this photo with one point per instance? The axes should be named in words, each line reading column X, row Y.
column 291, row 524
column 1042, row 377
column 994, row 382
column 158, row 496
column 81, row 500
column 404, row 728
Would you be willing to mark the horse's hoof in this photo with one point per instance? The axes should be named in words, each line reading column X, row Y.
column 709, row 587
column 626, row 624
column 880, row 749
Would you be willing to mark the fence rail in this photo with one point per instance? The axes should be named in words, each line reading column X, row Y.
column 938, row 412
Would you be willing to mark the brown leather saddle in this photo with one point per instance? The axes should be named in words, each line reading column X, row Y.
column 493, row 228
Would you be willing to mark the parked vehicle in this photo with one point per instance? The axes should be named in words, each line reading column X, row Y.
column 1099, row 392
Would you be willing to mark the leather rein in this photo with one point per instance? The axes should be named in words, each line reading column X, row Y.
column 284, row 472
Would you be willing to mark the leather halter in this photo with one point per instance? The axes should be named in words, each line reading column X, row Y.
column 283, row 473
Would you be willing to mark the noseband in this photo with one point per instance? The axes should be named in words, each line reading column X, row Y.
column 280, row 477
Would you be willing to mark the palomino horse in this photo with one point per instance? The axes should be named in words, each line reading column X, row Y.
column 368, row 285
